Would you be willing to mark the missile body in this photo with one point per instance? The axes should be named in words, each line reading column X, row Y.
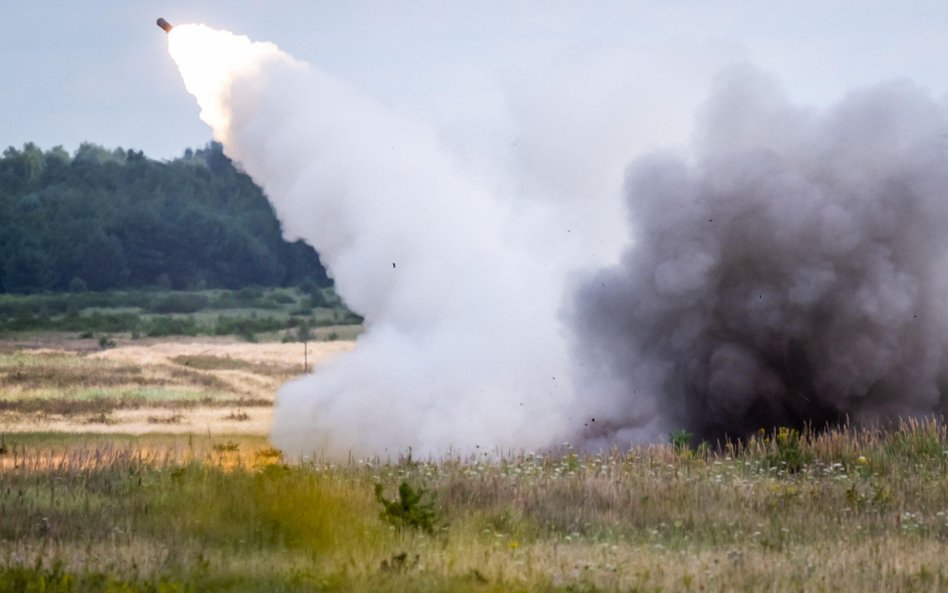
column 165, row 25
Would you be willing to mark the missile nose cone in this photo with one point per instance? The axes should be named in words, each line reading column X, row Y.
column 165, row 25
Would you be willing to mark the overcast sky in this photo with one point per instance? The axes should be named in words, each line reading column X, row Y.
column 99, row 71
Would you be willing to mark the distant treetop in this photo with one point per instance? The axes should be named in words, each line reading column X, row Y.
column 104, row 219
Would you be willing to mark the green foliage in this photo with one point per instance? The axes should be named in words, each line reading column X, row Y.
column 788, row 451
column 165, row 313
column 178, row 513
column 179, row 302
column 106, row 219
column 304, row 333
column 680, row 440
column 158, row 327
column 410, row 509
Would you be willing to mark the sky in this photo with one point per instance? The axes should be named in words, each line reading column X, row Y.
column 100, row 72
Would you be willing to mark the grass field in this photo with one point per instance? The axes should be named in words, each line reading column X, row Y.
column 145, row 466
column 839, row 511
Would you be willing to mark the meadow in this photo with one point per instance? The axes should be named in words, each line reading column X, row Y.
column 251, row 313
column 142, row 463
column 838, row 510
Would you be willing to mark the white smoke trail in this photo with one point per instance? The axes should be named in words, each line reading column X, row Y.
column 461, row 348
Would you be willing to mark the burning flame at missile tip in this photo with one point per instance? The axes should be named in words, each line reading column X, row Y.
column 210, row 62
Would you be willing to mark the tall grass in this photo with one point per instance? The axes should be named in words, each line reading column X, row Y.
column 839, row 510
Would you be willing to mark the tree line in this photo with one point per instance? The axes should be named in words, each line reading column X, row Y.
column 104, row 219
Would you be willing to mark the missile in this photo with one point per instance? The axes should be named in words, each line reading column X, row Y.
column 165, row 25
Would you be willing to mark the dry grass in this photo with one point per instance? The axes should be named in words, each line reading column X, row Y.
column 53, row 388
column 867, row 511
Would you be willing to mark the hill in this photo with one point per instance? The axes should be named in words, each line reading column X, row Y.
column 105, row 219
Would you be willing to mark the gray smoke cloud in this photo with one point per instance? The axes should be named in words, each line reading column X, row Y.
column 793, row 268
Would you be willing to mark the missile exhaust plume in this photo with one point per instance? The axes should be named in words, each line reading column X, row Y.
column 460, row 348
column 792, row 268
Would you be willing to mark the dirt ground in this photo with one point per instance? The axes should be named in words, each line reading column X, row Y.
column 205, row 386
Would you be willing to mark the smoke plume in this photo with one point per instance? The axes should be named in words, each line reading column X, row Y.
column 791, row 268
column 460, row 349
column 794, row 270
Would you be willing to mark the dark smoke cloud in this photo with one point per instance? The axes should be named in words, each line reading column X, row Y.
column 794, row 269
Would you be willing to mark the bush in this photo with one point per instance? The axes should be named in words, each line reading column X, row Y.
column 158, row 327
column 249, row 293
column 281, row 298
column 788, row 451
column 680, row 440
column 409, row 510
column 318, row 299
column 243, row 326
column 180, row 302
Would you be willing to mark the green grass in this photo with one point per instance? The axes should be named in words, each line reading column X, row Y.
column 158, row 313
column 843, row 510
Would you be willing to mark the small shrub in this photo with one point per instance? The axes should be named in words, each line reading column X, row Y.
column 183, row 302
column 209, row 362
column 410, row 509
column 172, row 419
column 106, row 342
column 788, row 452
column 318, row 299
column 238, row 416
column 100, row 418
column 249, row 293
column 680, row 440
column 158, row 327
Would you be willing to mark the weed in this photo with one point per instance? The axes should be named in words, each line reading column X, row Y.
column 211, row 363
column 268, row 455
column 238, row 416
column 410, row 509
column 150, row 514
column 680, row 440
column 788, row 451
column 399, row 562
column 100, row 418
column 170, row 419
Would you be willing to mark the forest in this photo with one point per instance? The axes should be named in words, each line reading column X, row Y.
column 102, row 219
